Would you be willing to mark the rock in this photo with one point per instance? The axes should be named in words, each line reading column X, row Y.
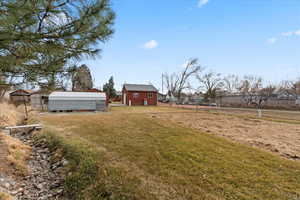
column 14, row 193
column 65, row 162
column 59, row 191
column 39, row 186
column 20, row 190
column 7, row 185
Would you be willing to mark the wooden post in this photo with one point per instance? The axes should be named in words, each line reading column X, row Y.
column 26, row 111
column 41, row 101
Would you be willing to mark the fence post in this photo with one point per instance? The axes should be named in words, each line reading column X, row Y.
column 259, row 113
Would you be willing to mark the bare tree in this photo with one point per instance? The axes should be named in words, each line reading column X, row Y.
column 211, row 82
column 3, row 89
column 254, row 93
column 6, row 83
column 231, row 84
column 3, row 86
column 264, row 94
column 177, row 82
column 250, row 87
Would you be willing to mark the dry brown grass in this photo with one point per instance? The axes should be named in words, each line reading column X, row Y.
column 270, row 134
column 17, row 155
column 4, row 196
column 15, row 152
column 9, row 115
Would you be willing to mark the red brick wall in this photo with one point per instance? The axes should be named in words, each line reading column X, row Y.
column 139, row 99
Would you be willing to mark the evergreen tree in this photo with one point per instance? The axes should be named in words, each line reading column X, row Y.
column 109, row 89
column 40, row 39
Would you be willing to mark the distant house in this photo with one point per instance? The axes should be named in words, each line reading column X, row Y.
column 20, row 96
column 137, row 94
column 196, row 99
column 161, row 97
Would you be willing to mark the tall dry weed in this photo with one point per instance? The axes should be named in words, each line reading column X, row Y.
column 18, row 154
column 9, row 114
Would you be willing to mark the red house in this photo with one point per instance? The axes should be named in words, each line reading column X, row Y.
column 138, row 95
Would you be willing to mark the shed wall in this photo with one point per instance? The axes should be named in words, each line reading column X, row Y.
column 39, row 101
column 64, row 105
column 20, row 99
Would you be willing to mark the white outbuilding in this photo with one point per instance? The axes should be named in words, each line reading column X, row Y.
column 77, row 101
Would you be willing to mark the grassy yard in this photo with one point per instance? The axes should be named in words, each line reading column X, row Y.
column 142, row 157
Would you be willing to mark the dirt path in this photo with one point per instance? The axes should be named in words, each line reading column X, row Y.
column 279, row 138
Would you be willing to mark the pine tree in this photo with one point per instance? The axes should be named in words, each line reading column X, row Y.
column 39, row 39
column 109, row 89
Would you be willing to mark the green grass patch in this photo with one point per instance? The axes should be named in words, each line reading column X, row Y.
column 193, row 164
column 86, row 176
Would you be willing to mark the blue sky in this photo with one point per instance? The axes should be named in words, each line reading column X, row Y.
column 259, row 37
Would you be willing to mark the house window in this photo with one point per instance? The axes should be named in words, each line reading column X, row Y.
column 150, row 95
column 135, row 95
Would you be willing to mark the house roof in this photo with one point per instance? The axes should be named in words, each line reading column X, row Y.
column 21, row 92
column 77, row 96
column 140, row 87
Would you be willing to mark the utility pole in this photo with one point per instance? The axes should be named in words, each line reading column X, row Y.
column 162, row 83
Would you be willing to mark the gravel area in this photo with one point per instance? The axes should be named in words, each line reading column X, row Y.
column 45, row 176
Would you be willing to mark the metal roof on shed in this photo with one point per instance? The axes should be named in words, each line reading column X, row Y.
column 140, row 87
column 77, row 96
